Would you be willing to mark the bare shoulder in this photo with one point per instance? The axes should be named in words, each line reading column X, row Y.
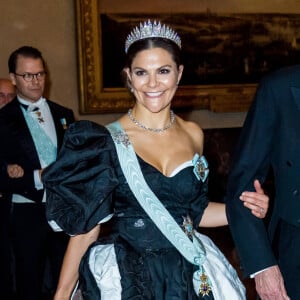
column 194, row 131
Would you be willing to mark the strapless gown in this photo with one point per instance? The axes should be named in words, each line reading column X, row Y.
column 86, row 187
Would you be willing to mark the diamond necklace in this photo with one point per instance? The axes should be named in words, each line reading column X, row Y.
column 136, row 122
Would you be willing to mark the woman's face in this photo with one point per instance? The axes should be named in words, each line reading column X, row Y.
column 154, row 77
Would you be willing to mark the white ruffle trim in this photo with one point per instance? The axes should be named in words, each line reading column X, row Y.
column 107, row 276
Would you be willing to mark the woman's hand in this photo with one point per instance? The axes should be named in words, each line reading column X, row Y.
column 257, row 201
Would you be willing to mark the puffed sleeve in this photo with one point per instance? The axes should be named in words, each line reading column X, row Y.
column 79, row 185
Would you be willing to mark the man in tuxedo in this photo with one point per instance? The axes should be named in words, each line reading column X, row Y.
column 7, row 93
column 270, row 138
column 32, row 130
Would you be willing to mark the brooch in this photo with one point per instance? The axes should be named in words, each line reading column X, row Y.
column 187, row 226
column 121, row 138
column 201, row 169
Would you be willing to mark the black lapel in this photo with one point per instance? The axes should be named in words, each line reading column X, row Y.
column 57, row 119
column 296, row 94
column 18, row 123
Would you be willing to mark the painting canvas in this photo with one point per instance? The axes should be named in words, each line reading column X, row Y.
column 225, row 55
column 217, row 49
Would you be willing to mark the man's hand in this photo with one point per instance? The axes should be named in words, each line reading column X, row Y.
column 15, row 171
column 269, row 284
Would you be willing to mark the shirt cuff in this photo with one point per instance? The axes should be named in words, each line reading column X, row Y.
column 37, row 180
column 254, row 274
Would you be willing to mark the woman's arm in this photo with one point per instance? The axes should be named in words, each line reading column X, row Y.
column 215, row 215
column 69, row 272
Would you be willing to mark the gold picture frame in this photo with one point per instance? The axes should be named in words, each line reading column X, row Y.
column 96, row 98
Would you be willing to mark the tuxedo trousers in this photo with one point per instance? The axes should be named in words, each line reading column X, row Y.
column 35, row 244
column 6, row 276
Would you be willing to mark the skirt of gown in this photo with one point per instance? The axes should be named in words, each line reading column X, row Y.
column 112, row 269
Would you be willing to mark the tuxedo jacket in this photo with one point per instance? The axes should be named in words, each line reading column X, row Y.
column 270, row 138
column 17, row 147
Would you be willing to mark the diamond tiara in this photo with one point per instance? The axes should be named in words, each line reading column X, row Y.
column 148, row 30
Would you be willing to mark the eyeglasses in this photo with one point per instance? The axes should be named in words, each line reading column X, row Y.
column 29, row 76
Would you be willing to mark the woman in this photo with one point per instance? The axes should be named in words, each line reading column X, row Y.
column 86, row 187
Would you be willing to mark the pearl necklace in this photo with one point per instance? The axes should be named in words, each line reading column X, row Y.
column 136, row 122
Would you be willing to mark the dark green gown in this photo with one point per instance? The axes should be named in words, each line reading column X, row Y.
column 86, row 186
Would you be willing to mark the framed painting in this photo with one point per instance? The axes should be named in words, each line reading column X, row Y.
column 224, row 56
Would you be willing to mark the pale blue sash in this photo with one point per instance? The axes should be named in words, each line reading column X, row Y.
column 193, row 251
column 46, row 149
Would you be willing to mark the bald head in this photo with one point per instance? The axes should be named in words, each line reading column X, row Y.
column 7, row 91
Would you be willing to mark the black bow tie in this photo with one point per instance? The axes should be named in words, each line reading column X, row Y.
column 32, row 108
